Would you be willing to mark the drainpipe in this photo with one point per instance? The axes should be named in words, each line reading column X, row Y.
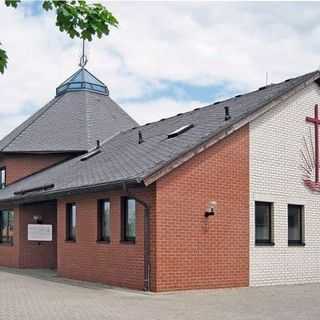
column 147, row 265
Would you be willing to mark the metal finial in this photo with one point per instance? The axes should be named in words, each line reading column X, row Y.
column 84, row 58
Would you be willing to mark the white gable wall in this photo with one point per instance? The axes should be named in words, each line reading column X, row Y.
column 276, row 139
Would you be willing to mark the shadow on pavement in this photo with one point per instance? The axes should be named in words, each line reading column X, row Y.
column 51, row 275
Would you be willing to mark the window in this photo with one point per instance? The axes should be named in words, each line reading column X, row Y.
column 263, row 221
column 180, row 131
column 71, row 221
column 6, row 226
column 103, row 220
column 90, row 154
column 2, row 178
column 128, row 222
column 295, row 224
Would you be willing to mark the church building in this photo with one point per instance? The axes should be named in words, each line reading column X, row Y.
column 226, row 195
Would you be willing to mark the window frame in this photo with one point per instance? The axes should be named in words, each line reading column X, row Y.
column 269, row 241
column 124, row 220
column 3, row 184
column 9, row 240
column 100, row 237
column 69, row 218
column 301, row 231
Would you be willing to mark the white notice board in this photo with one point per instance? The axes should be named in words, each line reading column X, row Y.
column 40, row 232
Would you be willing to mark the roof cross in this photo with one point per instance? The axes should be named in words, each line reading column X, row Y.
column 316, row 122
column 84, row 58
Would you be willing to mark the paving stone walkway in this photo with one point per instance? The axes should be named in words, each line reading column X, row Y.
column 39, row 295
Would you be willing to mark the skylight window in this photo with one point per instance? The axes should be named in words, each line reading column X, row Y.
column 180, row 131
column 90, row 154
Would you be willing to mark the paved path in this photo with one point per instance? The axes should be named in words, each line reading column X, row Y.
column 36, row 296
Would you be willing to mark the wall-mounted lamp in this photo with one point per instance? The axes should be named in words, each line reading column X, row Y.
column 211, row 210
column 37, row 219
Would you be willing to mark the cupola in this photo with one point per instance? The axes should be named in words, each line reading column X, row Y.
column 82, row 80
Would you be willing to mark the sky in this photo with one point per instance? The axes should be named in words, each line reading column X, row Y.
column 165, row 57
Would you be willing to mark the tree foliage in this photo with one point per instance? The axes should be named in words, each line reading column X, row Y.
column 3, row 60
column 77, row 18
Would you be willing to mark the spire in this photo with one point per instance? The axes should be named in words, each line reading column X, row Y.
column 82, row 80
column 83, row 58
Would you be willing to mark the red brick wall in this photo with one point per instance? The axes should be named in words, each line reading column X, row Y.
column 188, row 251
column 33, row 254
column 114, row 263
column 29, row 254
column 9, row 254
column 197, row 252
column 22, row 165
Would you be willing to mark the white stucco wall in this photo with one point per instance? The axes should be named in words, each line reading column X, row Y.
column 276, row 139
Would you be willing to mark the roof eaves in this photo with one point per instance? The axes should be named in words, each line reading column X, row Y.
column 88, row 120
column 53, row 195
column 44, row 152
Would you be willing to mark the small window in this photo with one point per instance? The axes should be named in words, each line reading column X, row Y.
column 71, row 221
column 295, row 224
column 179, row 131
column 6, row 226
column 263, row 222
column 103, row 220
column 90, row 154
column 128, row 223
column 2, row 178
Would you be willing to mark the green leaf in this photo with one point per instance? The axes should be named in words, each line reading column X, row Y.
column 83, row 20
column 12, row 3
column 3, row 60
column 47, row 5
column 77, row 18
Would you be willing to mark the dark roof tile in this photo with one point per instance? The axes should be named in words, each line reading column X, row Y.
column 124, row 159
column 70, row 122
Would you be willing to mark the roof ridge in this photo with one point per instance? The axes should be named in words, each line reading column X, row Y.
column 237, row 119
column 222, row 101
column 122, row 110
column 94, row 76
column 88, row 133
column 74, row 74
column 37, row 115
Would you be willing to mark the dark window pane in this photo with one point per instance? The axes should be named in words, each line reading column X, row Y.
column 6, row 226
column 131, row 218
column 71, row 221
column 263, row 221
column 104, row 220
column 128, row 223
column 294, row 223
column 2, row 178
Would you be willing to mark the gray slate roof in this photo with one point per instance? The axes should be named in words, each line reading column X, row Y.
column 70, row 122
column 122, row 158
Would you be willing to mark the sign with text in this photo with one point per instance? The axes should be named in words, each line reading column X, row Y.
column 39, row 232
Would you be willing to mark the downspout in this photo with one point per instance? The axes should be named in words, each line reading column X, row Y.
column 147, row 265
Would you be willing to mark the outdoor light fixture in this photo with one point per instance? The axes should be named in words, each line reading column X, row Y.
column 37, row 219
column 211, row 210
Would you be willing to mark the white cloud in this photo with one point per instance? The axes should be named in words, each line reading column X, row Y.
column 156, row 44
column 9, row 123
column 150, row 111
